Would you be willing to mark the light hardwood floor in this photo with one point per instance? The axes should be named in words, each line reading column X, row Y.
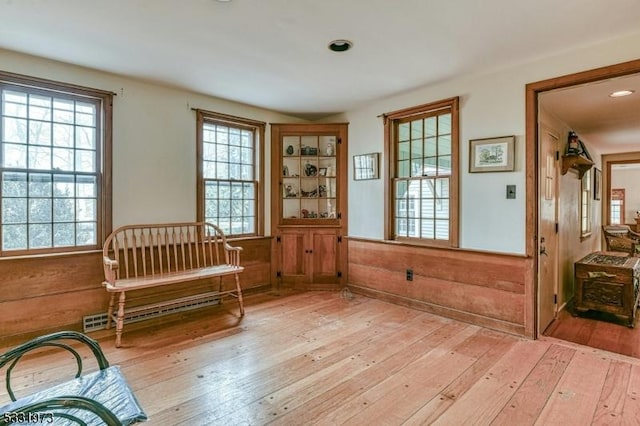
column 316, row 358
column 597, row 330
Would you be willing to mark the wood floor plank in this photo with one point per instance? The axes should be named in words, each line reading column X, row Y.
column 611, row 403
column 499, row 345
column 575, row 398
column 305, row 358
column 487, row 397
column 525, row 405
column 326, row 403
column 631, row 409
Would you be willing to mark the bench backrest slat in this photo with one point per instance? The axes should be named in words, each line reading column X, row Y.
column 156, row 249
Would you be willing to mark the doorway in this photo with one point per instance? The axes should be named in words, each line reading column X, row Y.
column 540, row 300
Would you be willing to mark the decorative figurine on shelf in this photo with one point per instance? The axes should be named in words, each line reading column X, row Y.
column 330, row 149
column 290, row 150
column 312, row 193
column 322, row 191
column 305, row 213
column 289, row 192
column 310, row 169
column 573, row 146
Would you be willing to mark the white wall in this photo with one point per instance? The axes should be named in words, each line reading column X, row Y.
column 492, row 104
column 629, row 179
column 154, row 139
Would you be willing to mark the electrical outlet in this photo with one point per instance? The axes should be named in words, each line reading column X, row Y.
column 409, row 274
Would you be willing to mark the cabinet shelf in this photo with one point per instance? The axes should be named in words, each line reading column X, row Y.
column 577, row 162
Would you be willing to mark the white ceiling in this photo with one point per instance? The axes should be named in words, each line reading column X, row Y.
column 273, row 53
column 612, row 125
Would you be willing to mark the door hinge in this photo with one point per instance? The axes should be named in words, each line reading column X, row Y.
column 339, row 141
column 555, row 299
column 557, row 155
column 339, row 238
column 339, row 215
column 557, row 227
column 278, row 240
column 339, row 274
column 279, row 274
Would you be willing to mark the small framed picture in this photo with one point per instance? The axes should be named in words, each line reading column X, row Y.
column 322, row 171
column 492, row 154
column 365, row 166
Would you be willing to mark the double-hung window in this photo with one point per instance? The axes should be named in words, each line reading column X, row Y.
column 55, row 143
column 230, row 173
column 422, row 144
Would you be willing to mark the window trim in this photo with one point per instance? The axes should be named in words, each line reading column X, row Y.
column 258, row 127
column 390, row 119
column 105, row 156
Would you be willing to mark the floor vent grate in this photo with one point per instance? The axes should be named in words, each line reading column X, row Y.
column 139, row 313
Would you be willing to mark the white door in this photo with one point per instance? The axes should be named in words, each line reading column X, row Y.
column 547, row 229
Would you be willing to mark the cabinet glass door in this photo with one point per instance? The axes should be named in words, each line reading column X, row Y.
column 309, row 185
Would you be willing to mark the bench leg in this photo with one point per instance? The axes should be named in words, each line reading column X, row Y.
column 239, row 290
column 110, row 310
column 120, row 318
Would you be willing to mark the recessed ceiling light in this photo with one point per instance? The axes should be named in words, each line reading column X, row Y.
column 340, row 45
column 621, row 93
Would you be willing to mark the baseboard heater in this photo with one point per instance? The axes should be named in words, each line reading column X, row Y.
column 139, row 313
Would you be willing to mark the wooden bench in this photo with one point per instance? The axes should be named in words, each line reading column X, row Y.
column 98, row 398
column 145, row 256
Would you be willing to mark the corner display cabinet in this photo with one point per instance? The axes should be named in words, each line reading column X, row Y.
column 309, row 204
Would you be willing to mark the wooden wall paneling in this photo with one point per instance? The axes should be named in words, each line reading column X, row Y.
column 488, row 270
column 48, row 293
column 486, row 289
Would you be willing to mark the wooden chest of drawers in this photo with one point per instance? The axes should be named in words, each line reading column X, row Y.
column 608, row 282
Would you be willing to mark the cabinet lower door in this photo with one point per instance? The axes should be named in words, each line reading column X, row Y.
column 309, row 256
column 324, row 256
column 294, row 257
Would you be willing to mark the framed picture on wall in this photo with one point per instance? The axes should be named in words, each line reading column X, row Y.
column 492, row 154
column 597, row 183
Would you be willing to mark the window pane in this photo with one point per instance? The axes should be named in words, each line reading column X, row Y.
column 444, row 145
column 63, row 159
column 39, row 185
column 14, row 237
column 63, row 210
column 63, row 234
column 39, row 157
column 403, row 151
column 430, row 126
column 39, row 133
column 63, row 135
column 14, row 156
column 86, row 186
column 86, row 233
column 444, row 124
column 14, row 210
column 14, row 104
column 403, row 132
column 40, row 235
column 85, row 137
column 14, row 184
column 39, row 210
column 63, row 111
column 85, row 161
column 14, row 130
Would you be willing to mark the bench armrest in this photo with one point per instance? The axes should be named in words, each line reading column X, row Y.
column 110, row 268
column 233, row 254
column 52, row 340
